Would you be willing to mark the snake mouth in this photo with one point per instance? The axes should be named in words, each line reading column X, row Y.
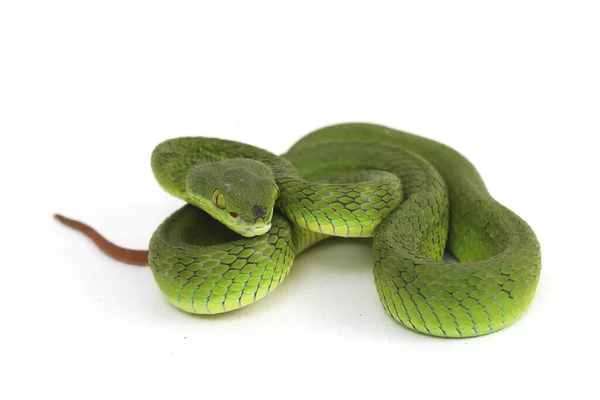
column 255, row 230
column 251, row 229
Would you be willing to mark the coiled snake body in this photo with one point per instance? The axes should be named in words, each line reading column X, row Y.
column 414, row 196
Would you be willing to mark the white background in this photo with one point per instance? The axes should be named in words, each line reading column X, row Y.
column 87, row 89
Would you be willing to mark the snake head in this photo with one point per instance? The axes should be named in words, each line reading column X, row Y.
column 240, row 193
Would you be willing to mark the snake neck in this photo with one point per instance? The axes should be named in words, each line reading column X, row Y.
column 349, row 209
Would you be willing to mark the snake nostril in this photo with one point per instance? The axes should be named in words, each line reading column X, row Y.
column 259, row 211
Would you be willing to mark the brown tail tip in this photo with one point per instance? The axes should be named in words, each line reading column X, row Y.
column 128, row 256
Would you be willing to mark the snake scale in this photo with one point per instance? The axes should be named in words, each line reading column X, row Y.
column 250, row 213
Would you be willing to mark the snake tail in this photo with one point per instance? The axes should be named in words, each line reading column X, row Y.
column 127, row 256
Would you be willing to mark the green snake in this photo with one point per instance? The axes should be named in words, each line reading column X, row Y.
column 250, row 213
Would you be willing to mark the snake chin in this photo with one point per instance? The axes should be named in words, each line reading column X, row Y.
column 247, row 228
column 255, row 230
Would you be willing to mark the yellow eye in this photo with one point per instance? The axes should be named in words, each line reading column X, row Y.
column 277, row 193
column 218, row 199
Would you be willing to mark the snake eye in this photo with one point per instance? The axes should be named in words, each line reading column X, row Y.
column 277, row 193
column 218, row 199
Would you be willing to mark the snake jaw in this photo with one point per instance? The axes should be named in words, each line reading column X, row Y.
column 249, row 229
column 245, row 228
column 255, row 231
